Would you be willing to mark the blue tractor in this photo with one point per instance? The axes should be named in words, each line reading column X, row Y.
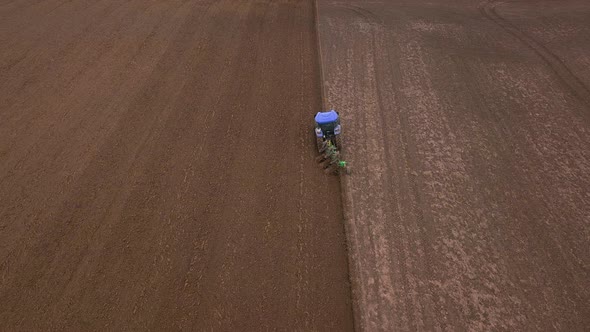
column 327, row 128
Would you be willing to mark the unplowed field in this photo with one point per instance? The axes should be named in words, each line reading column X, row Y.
column 467, row 126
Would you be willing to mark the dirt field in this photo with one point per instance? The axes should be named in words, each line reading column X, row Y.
column 468, row 129
column 156, row 169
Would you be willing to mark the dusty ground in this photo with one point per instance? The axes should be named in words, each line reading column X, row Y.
column 468, row 128
column 156, row 169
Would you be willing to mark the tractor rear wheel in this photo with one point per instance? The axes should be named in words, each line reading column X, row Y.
column 319, row 143
column 338, row 141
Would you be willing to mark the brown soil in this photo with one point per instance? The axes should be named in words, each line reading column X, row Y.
column 468, row 129
column 157, row 169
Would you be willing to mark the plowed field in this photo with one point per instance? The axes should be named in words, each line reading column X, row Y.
column 156, row 169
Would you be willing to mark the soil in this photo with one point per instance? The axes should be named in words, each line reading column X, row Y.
column 157, row 169
column 467, row 127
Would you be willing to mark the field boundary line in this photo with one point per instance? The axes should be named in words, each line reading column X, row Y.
column 353, row 279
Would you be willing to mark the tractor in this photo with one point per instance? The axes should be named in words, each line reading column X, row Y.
column 329, row 142
column 327, row 128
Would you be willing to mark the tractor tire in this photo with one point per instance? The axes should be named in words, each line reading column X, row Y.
column 338, row 142
column 319, row 143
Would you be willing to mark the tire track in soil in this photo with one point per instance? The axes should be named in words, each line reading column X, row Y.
column 554, row 62
column 375, row 239
column 400, row 165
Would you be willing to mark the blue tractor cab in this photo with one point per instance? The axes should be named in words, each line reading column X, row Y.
column 326, row 117
column 327, row 124
column 327, row 128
